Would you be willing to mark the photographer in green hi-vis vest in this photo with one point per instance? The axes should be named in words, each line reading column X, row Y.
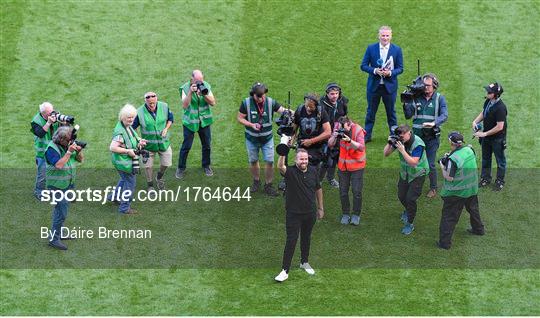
column 460, row 189
column 197, row 98
column 155, row 119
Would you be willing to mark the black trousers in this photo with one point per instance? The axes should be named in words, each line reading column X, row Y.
column 452, row 207
column 496, row 147
column 354, row 180
column 408, row 193
column 298, row 224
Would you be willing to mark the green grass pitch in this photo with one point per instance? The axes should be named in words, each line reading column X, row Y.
column 90, row 57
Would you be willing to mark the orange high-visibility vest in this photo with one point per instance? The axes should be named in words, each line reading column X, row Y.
column 351, row 159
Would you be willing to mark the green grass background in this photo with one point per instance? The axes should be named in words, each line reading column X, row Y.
column 90, row 57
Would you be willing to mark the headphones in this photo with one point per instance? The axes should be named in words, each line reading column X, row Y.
column 331, row 86
column 499, row 89
column 258, row 87
column 433, row 79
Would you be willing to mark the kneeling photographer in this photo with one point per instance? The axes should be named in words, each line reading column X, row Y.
column 126, row 146
column 60, row 156
column 313, row 128
column 460, row 189
column 429, row 111
column 336, row 105
column 351, row 163
column 413, row 171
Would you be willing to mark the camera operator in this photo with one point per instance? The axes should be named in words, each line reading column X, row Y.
column 312, row 127
column 351, row 164
column 303, row 189
column 60, row 156
column 155, row 119
column 256, row 114
column 413, row 171
column 460, row 189
column 493, row 135
column 428, row 112
column 197, row 98
column 124, row 145
column 335, row 105
column 44, row 124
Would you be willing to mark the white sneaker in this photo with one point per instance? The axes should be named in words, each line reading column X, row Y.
column 307, row 268
column 282, row 276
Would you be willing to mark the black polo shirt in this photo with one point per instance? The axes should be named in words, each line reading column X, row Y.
column 300, row 192
column 493, row 114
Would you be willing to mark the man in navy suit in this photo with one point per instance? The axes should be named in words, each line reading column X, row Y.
column 383, row 62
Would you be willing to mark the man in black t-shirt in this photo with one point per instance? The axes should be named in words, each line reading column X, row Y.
column 493, row 135
column 303, row 189
column 313, row 127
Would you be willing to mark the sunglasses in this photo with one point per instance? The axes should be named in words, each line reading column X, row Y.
column 150, row 96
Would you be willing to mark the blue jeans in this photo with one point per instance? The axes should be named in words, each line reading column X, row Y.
column 59, row 215
column 267, row 151
column 205, row 136
column 373, row 100
column 493, row 146
column 40, row 176
column 127, row 182
column 432, row 146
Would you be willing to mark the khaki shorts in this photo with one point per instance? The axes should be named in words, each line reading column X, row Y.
column 165, row 158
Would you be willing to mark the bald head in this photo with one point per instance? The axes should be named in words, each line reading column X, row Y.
column 197, row 75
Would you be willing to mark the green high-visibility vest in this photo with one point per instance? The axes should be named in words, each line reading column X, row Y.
column 64, row 177
column 253, row 116
column 123, row 162
column 407, row 172
column 40, row 144
column 198, row 113
column 465, row 182
column 427, row 113
column 151, row 128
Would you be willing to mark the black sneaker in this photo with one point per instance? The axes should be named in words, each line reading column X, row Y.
column 58, row 245
column 483, row 183
column 180, row 173
column 270, row 191
column 498, row 186
column 255, row 186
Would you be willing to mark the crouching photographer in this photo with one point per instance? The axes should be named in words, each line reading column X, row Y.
column 351, row 163
column 60, row 156
column 460, row 189
column 428, row 109
column 413, row 171
column 126, row 147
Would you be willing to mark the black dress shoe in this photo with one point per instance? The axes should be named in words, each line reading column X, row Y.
column 442, row 246
column 58, row 245
column 474, row 232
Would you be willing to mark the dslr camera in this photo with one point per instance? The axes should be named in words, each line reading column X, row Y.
column 202, row 88
column 415, row 90
column 139, row 153
column 65, row 118
column 74, row 140
column 285, row 130
column 444, row 159
column 394, row 137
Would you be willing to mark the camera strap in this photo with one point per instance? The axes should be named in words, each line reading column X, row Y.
column 130, row 132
